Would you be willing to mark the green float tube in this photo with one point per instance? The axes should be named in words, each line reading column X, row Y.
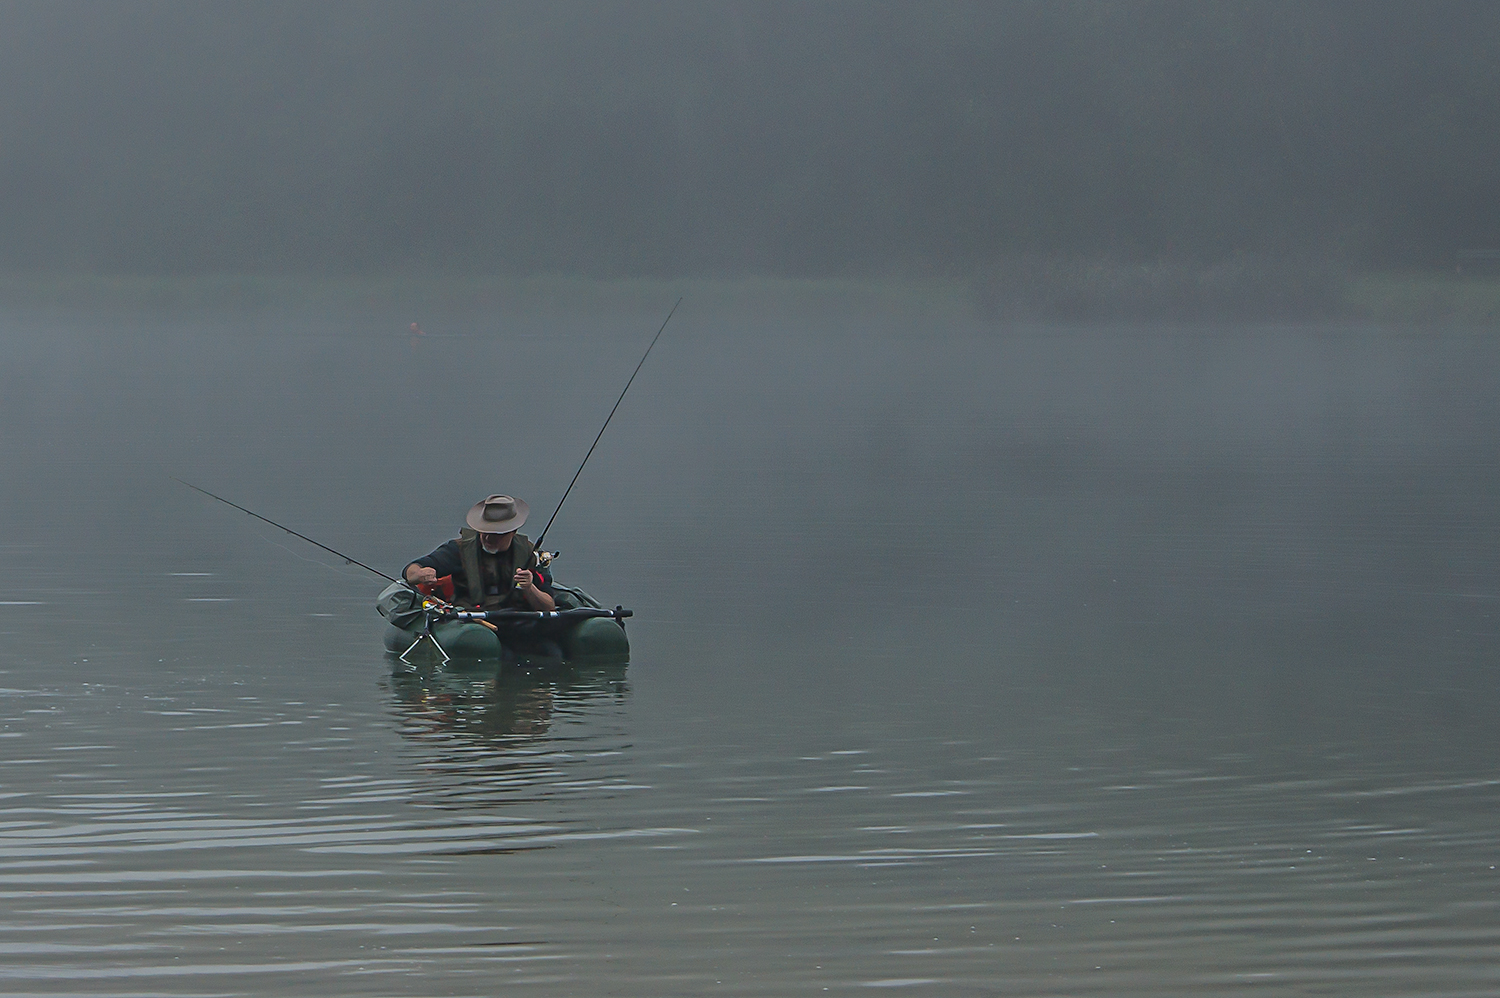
column 580, row 629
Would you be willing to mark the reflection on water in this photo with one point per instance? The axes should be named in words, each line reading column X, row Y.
column 497, row 735
column 496, row 705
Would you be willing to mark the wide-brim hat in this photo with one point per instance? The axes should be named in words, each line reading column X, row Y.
column 497, row 514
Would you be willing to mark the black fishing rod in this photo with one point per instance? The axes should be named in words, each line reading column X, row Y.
column 347, row 560
column 537, row 544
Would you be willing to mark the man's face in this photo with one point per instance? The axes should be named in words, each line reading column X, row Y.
column 494, row 543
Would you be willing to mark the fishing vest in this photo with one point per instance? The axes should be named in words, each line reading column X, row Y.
column 506, row 563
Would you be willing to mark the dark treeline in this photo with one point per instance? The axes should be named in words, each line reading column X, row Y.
column 699, row 137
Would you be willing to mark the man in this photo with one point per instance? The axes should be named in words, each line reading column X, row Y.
column 489, row 562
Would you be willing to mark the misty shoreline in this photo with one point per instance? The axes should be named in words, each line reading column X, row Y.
column 1034, row 290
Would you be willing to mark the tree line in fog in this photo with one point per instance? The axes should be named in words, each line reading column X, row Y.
column 803, row 139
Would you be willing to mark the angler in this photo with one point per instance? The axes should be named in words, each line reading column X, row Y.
column 489, row 565
column 489, row 592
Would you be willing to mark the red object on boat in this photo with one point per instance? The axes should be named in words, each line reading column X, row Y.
column 442, row 588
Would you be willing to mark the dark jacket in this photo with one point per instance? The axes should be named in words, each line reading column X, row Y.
column 482, row 579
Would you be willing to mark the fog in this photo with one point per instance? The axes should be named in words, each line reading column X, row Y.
column 726, row 138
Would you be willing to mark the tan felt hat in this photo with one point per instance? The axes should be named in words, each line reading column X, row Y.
column 497, row 514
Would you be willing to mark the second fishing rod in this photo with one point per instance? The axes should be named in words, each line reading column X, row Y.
column 541, row 558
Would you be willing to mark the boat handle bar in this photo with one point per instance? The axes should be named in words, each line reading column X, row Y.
column 577, row 613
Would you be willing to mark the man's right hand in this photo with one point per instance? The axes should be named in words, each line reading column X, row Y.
column 417, row 574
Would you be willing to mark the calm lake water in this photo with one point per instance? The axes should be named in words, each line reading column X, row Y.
column 1019, row 661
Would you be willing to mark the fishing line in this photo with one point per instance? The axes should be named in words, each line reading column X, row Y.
column 311, row 561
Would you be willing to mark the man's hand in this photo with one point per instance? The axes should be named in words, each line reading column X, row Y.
column 417, row 574
column 525, row 582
